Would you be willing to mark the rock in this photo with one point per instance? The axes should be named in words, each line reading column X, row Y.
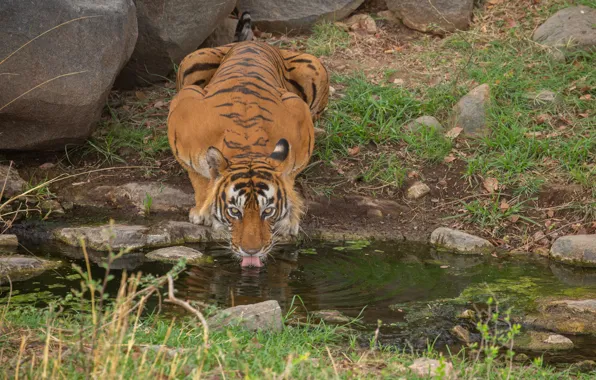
column 389, row 16
column 438, row 17
column 296, row 15
column 9, row 241
column 467, row 314
column 462, row 334
column 424, row 121
column 574, row 317
column 20, row 268
column 361, row 23
column 78, row 62
column 152, row 196
column 569, row 30
column 10, row 179
column 374, row 213
column 168, row 31
column 542, row 341
column 174, row 254
column 260, row 316
column 430, row 368
column 573, row 275
column 521, row 358
column 583, row 366
column 119, row 236
column 544, row 98
column 51, row 206
column 320, row 132
column 331, row 316
column 459, row 241
column 575, row 249
column 417, row 190
column 470, row 112
column 223, row 34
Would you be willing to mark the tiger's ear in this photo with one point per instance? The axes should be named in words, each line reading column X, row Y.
column 281, row 151
column 216, row 161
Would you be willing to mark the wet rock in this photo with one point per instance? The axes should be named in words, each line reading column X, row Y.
column 459, row 241
column 14, row 183
column 438, row 17
column 296, row 15
column 430, row 368
column 575, row 249
column 542, row 341
column 361, row 23
column 570, row 29
column 88, row 53
column 573, row 275
column 470, row 112
column 575, row 317
column 584, row 366
column 151, row 197
column 417, row 190
column 331, row 316
column 260, row 316
column 20, row 268
column 134, row 237
column 10, row 241
column 51, row 206
column 544, row 98
column 223, row 34
column 175, row 254
column 424, row 121
column 168, row 31
column 462, row 334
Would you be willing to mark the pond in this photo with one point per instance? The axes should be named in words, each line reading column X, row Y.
column 416, row 291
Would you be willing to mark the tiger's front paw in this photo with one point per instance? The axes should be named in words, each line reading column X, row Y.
column 196, row 216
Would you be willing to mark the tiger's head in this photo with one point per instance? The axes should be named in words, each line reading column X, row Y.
column 254, row 199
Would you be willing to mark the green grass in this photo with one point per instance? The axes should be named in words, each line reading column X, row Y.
column 326, row 38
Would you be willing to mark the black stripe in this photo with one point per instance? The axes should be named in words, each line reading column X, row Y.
column 201, row 67
column 301, row 60
column 292, row 57
column 225, row 105
column 299, row 88
column 242, row 90
column 199, row 82
column 314, row 93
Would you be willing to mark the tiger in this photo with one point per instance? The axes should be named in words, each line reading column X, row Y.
column 241, row 125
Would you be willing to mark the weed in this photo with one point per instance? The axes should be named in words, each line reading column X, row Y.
column 147, row 203
column 326, row 39
column 385, row 168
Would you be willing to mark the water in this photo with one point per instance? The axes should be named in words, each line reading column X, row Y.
column 414, row 290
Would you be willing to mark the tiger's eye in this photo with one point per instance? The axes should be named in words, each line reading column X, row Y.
column 234, row 212
column 269, row 211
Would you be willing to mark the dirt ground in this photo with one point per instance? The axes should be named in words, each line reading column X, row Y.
column 339, row 201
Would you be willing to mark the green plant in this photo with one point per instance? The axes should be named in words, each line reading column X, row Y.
column 326, row 38
column 147, row 203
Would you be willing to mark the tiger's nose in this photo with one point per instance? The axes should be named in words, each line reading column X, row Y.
column 252, row 251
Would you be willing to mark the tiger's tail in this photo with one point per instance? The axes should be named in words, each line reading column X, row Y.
column 244, row 28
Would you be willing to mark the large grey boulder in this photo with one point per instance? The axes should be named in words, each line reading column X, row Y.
column 575, row 249
column 223, row 34
column 296, row 15
column 436, row 16
column 569, row 29
column 69, row 71
column 168, row 31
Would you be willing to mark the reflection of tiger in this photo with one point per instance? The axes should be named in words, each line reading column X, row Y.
column 242, row 126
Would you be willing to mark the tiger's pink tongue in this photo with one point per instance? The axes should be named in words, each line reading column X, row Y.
column 251, row 261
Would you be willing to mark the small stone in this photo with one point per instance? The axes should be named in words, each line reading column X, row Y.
column 429, row 368
column 67, row 205
column 175, row 254
column 467, row 314
column 331, row 90
column 459, row 241
column 470, row 112
column 374, row 213
column 260, row 316
column 51, row 206
column 542, row 341
column 7, row 240
column 417, row 190
column 583, row 366
column 575, row 249
column 462, row 334
column 47, row 166
column 362, row 23
column 424, row 121
column 331, row 316
column 544, row 98
column 14, row 183
column 521, row 358
column 320, row 132
column 399, row 81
